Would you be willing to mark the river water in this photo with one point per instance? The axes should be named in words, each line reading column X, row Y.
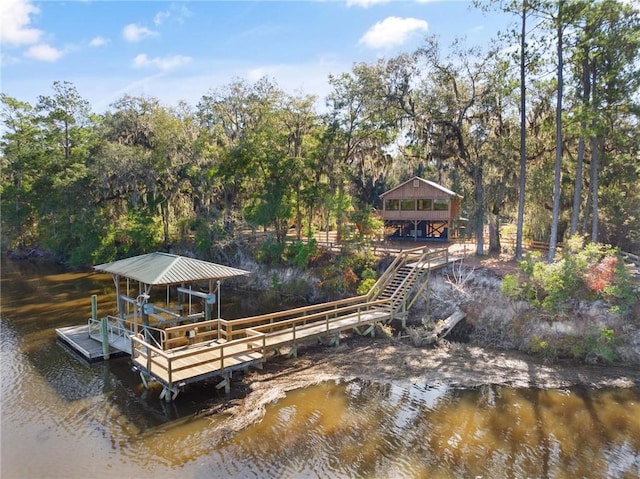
column 64, row 419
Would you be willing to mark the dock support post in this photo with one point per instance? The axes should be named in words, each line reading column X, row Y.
column 104, row 326
column 94, row 307
column 144, row 380
column 226, row 383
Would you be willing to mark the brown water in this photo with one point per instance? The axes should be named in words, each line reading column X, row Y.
column 62, row 418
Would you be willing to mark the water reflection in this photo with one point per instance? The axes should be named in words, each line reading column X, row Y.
column 365, row 429
column 63, row 418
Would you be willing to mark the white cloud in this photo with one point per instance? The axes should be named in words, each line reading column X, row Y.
column 15, row 18
column 98, row 41
column 365, row 3
column 161, row 63
column 178, row 13
column 160, row 17
column 43, row 52
column 392, row 31
column 136, row 33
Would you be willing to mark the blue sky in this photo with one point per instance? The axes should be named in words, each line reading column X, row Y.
column 180, row 50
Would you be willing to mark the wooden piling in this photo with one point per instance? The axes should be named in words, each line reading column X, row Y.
column 104, row 326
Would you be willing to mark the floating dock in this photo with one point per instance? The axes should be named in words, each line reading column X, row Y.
column 77, row 340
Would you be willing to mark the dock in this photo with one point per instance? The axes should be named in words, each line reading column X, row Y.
column 78, row 340
column 180, row 354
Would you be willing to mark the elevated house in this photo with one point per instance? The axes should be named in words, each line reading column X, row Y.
column 420, row 209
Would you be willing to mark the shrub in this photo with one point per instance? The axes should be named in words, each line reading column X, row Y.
column 271, row 252
column 590, row 271
column 365, row 286
column 301, row 254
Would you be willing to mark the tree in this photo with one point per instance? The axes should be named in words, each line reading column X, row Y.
column 560, row 25
column 361, row 127
column 453, row 94
column 21, row 163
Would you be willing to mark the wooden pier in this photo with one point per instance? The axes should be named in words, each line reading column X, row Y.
column 178, row 355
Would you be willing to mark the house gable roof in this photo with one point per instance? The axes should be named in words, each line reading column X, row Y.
column 164, row 268
column 427, row 182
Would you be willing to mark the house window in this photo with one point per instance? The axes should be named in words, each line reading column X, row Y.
column 408, row 205
column 425, row 205
column 392, row 205
column 440, row 205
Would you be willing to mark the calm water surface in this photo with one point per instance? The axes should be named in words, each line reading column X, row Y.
column 62, row 418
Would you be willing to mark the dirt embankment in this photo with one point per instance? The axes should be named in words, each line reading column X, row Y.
column 474, row 289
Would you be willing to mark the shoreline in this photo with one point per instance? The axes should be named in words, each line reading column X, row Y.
column 387, row 360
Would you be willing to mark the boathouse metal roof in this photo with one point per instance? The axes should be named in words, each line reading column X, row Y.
column 165, row 268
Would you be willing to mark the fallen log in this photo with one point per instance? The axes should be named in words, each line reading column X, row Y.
column 444, row 327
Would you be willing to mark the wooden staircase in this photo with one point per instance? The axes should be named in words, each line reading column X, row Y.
column 407, row 276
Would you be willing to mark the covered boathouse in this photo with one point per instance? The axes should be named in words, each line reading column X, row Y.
column 420, row 209
column 154, row 291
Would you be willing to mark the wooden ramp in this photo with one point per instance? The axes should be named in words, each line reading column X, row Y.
column 245, row 342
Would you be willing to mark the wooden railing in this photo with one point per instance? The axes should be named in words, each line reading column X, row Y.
column 421, row 255
column 154, row 359
column 231, row 327
column 326, row 318
column 192, row 333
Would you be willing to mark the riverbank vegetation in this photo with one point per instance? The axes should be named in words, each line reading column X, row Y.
column 250, row 160
column 578, row 322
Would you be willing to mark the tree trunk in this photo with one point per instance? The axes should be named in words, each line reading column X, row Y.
column 595, row 166
column 523, row 137
column 558, row 163
column 494, row 234
column 339, row 212
column 479, row 214
column 577, row 191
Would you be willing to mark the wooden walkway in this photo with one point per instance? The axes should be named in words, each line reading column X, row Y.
column 217, row 348
column 180, row 355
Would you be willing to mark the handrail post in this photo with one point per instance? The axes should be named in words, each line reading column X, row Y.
column 169, row 371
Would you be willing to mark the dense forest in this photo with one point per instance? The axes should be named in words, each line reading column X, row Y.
column 540, row 132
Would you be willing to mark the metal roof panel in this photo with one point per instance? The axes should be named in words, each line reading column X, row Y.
column 166, row 268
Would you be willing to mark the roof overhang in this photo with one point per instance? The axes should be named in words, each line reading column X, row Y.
column 427, row 182
column 164, row 268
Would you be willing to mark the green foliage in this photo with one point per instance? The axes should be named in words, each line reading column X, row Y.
column 92, row 186
column 543, row 348
column 365, row 286
column 271, row 252
column 601, row 345
column 359, row 261
column 368, row 273
column 591, row 271
column 368, row 280
column 511, row 286
column 301, row 253
column 597, row 345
